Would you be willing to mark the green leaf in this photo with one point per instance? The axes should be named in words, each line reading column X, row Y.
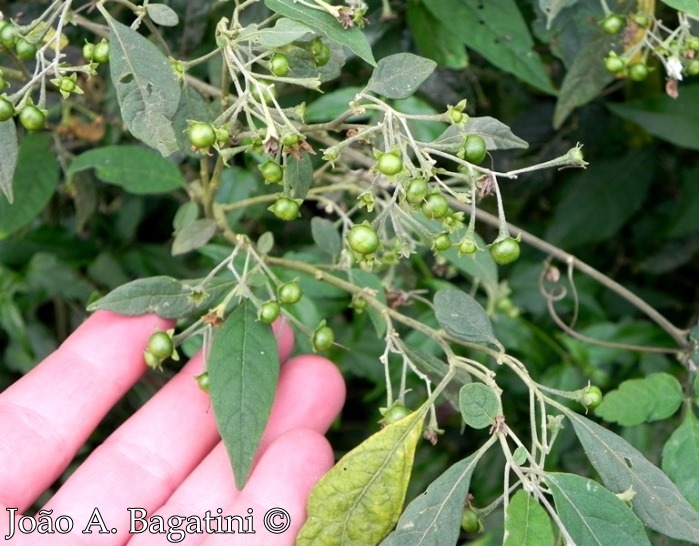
column 326, row 24
column 585, row 78
column 496, row 30
column 553, row 7
column 331, row 105
column 136, row 169
column 282, row 33
column 657, row 502
column 193, row 235
column 463, row 318
column 681, row 458
column 674, row 120
column 298, row 174
column 436, row 370
column 593, row 515
column 164, row 296
column 688, row 6
column 325, row 235
column 369, row 280
column 243, row 368
column 35, row 180
column 434, row 39
column 652, row 398
column 399, row 76
column 434, row 517
column 496, row 134
column 611, row 191
column 162, row 15
column 360, row 499
column 147, row 89
column 8, row 152
column 526, row 522
column 479, row 405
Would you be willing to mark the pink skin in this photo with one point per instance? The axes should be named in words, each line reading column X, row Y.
column 167, row 458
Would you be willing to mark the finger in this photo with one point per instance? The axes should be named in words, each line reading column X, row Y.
column 310, row 395
column 142, row 463
column 48, row 414
column 275, row 496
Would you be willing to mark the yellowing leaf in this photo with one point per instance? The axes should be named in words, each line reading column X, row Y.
column 360, row 500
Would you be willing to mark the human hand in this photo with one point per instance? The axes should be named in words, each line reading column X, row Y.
column 167, row 459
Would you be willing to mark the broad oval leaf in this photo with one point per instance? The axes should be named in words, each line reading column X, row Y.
column 652, row 398
column 399, row 76
column 463, row 318
column 164, row 296
column 136, row 169
column 282, row 33
column 325, row 235
column 35, row 180
column 496, row 134
column 434, row 518
column 657, row 502
column 298, row 174
column 243, row 367
column 326, row 24
column 147, row 89
column 592, row 514
column 360, row 499
column 193, row 235
column 162, row 15
column 681, row 458
column 688, row 6
column 8, row 152
column 526, row 522
column 479, row 405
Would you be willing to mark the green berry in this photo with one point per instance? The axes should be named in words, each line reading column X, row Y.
column 435, row 206
column 289, row 293
column 160, row 345
column 612, row 23
column 32, row 118
column 475, row 149
column 203, row 381
column 471, row 522
column 88, row 51
column 363, row 239
column 272, row 172
column 8, row 36
column 201, row 135
column 395, row 413
column 389, row 164
column 7, row 109
column 505, row 251
column 279, row 64
column 467, row 246
column 591, row 397
column 638, row 72
column 25, row 50
column 323, row 338
column 269, row 312
column 614, row 64
column 67, row 85
column 285, row 209
column 442, row 242
column 416, row 191
column 101, row 52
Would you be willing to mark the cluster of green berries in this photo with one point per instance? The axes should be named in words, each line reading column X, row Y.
column 204, row 135
column 160, row 347
column 11, row 40
column 96, row 53
column 679, row 57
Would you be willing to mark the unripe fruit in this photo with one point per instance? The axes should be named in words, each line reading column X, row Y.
column 591, row 397
column 505, row 251
column 475, row 149
column 395, row 413
column 363, row 239
column 32, row 118
column 389, row 164
column 612, row 23
column 279, row 64
column 269, row 312
column 285, row 209
column 203, row 381
column 638, row 72
column 7, row 109
column 160, row 345
column 416, row 191
column 289, row 293
column 442, row 242
column 201, row 135
column 323, row 338
column 25, row 50
column 467, row 246
column 101, row 52
column 272, row 172
column 435, row 206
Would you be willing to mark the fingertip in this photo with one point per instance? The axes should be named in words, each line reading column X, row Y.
column 285, row 338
